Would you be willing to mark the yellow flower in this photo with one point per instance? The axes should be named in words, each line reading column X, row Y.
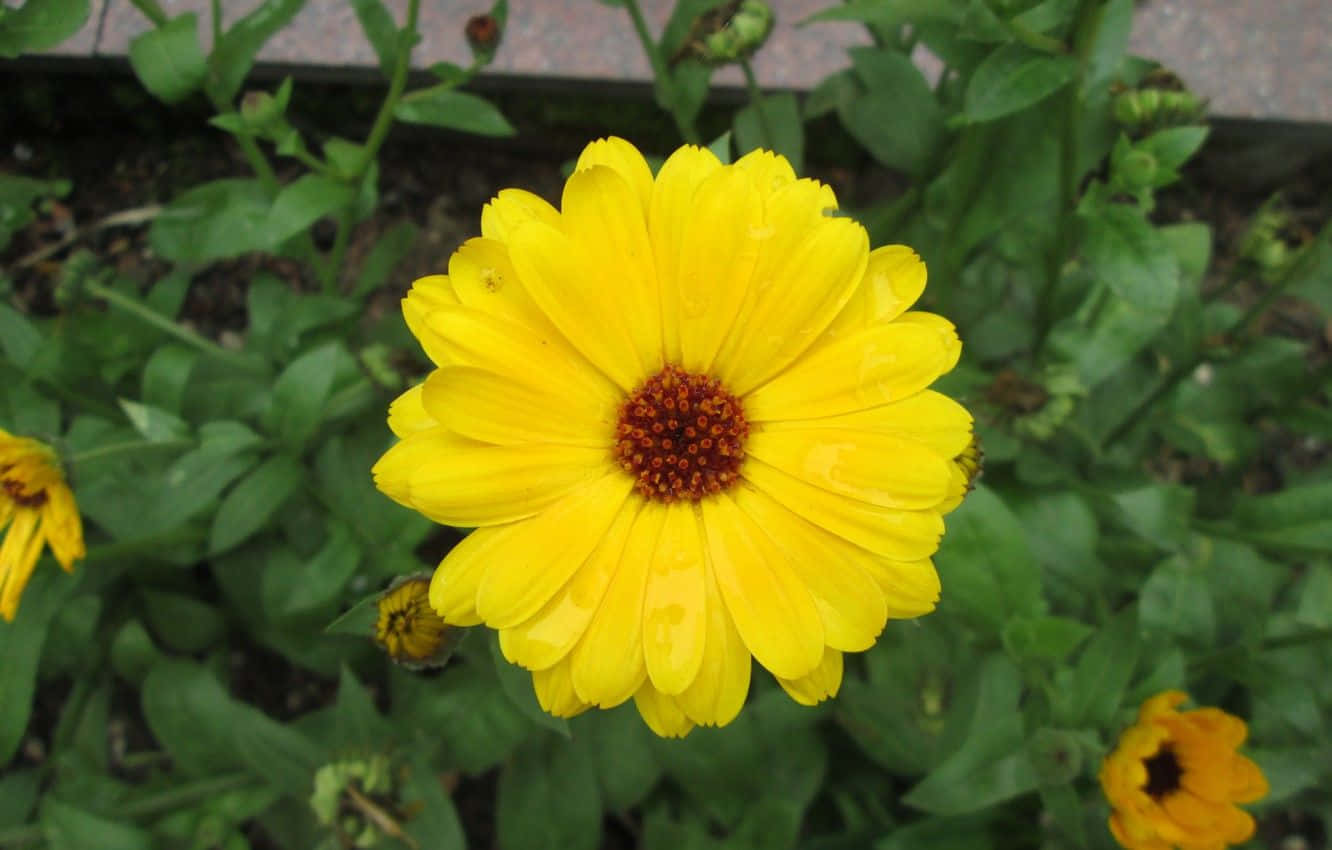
column 688, row 415
column 37, row 507
column 407, row 627
column 1175, row 778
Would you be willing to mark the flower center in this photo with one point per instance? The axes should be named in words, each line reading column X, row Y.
column 18, row 492
column 1163, row 773
column 681, row 436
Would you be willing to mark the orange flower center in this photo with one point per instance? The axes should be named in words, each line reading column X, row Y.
column 1163, row 773
column 681, row 436
column 18, row 492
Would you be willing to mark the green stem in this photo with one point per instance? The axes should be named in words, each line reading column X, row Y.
column 151, row 317
column 164, row 801
column 756, row 99
column 127, row 447
column 665, row 82
column 378, row 134
column 253, row 155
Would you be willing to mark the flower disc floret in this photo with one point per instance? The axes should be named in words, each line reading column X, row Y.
column 681, row 436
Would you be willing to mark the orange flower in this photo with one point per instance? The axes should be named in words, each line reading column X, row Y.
column 1175, row 778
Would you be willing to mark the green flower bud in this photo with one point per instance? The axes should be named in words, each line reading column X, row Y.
column 1137, row 170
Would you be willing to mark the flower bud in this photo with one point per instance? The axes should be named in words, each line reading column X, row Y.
column 409, row 630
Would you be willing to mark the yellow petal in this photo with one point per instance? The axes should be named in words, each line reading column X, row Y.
column 555, row 693
column 889, row 532
column 608, row 664
column 500, row 409
column 456, row 579
column 624, row 159
column 719, row 246
column 772, row 609
column 769, row 171
column 675, row 604
column 791, row 308
column 19, row 554
column 822, row 683
column 605, row 222
column 62, row 526
column 929, row 418
column 484, row 279
column 718, row 691
column 427, row 295
column 456, row 481
column 881, row 469
column 552, row 632
column 407, row 414
column 510, row 350
column 894, row 280
column 591, row 318
column 881, row 364
column 661, row 713
column 514, row 207
column 910, row 588
column 534, row 565
column 946, row 331
column 672, row 206
column 849, row 602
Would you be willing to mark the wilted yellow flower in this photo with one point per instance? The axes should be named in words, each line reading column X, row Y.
column 1175, row 778
column 37, row 507
column 408, row 628
column 689, row 417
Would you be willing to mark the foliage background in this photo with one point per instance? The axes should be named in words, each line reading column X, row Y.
column 1151, row 391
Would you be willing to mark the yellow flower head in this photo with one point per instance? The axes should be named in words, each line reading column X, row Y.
column 36, row 506
column 407, row 627
column 1175, row 778
column 689, row 416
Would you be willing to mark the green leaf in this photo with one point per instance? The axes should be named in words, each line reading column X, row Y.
column 295, row 587
column 1288, row 771
column 280, row 754
column 1132, row 258
column 21, row 645
column 621, row 747
column 182, row 622
column 214, row 221
column 166, row 376
column 69, row 828
column 1052, row 638
column 300, row 393
column 380, row 31
column 898, row 121
column 443, row 106
column 1103, row 672
column 985, row 562
column 517, row 685
column 548, row 799
column 1110, row 39
column 193, row 483
column 889, row 14
column 234, row 52
column 153, row 423
column 39, row 24
column 357, row 620
column 1296, row 518
column 358, row 725
column 780, row 114
column 1158, row 513
column 168, row 60
column 390, row 250
column 252, row 502
column 1315, row 607
column 191, row 716
column 465, row 711
column 133, row 653
column 19, row 338
column 18, row 796
column 303, row 202
column 1172, row 147
column 435, row 826
column 1013, row 78
column 1177, row 599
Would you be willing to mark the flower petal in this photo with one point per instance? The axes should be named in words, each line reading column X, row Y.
column 945, row 329
column 718, row 691
column 881, row 364
column 19, row 553
column 889, row 532
column 62, row 526
column 675, row 604
column 427, row 295
column 514, row 207
column 591, row 318
column 849, row 601
column 772, row 609
column 721, row 242
column 555, row 693
column 493, row 408
column 484, row 279
column 821, row 683
column 661, row 713
column 605, row 222
column 792, row 304
column 881, row 469
column 770, row 171
column 928, row 417
column 552, row 632
column 456, row 481
column 456, row 579
column 407, row 413
column 608, row 664
column 533, row 566
column 910, row 588
column 622, row 158
column 894, row 280
column 670, row 209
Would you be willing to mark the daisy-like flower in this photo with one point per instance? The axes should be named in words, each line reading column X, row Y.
column 36, row 508
column 1175, row 777
column 688, row 415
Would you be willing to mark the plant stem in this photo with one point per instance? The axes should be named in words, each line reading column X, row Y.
column 253, row 155
column 151, row 317
column 127, row 447
column 665, row 82
column 378, row 134
column 756, row 100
